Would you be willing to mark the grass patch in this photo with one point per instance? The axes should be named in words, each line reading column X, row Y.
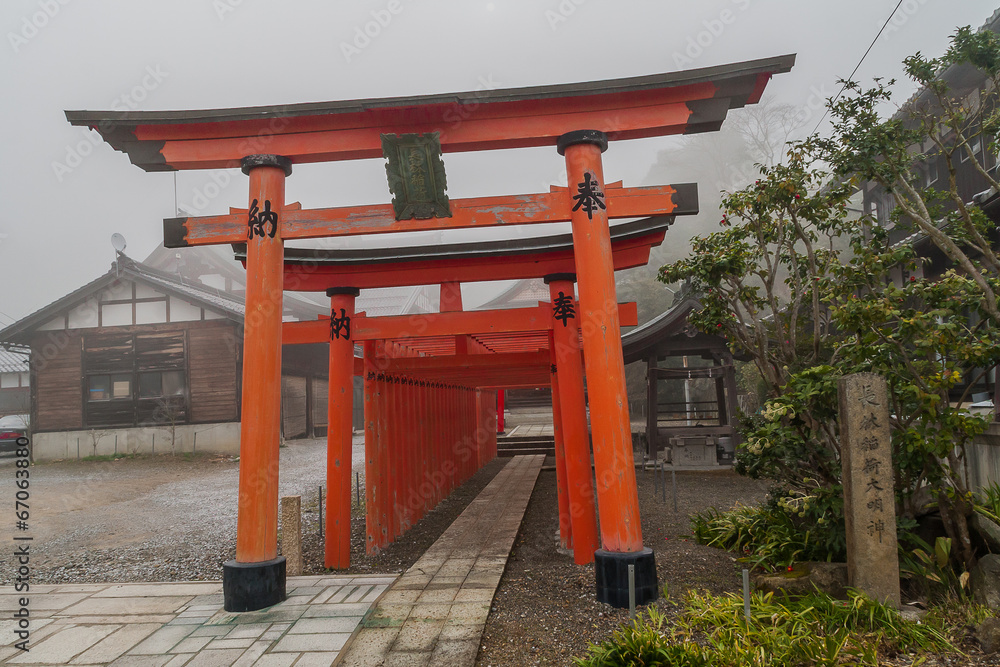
column 813, row 630
column 764, row 536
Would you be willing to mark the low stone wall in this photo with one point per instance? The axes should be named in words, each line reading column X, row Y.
column 205, row 438
column 984, row 459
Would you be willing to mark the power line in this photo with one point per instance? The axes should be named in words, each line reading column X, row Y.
column 856, row 67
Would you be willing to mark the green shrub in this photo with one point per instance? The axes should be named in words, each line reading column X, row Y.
column 932, row 570
column 988, row 502
column 788, row 528
column 812, row 630
column 642, row 643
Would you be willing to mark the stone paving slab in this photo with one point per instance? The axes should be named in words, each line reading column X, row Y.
column 184, row 625
column 435, row 613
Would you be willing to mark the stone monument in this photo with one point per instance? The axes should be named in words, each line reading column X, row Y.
column 869, row 500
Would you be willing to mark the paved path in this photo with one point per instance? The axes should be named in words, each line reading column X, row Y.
column 436, row 612
column 531, row 431
column 175, row 624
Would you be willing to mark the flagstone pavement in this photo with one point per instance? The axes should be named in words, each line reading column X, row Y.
column 434, row 614
column 174, row 624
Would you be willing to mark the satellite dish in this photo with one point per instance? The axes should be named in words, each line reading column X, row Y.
column 118, row 241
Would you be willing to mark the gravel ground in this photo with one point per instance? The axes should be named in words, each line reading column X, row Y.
column 405, row 551
column 545, row 610
column 174, row 518
column 148, row 518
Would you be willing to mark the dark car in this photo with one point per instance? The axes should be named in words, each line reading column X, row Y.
column 13, row 432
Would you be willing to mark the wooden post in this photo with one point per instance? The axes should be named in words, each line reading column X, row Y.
column 394, row 422
column 869, row 496
column 568, row 391
column 291, row 534
column 720, row 395
column 732, row 404
column 562, row 486
column 652, row 407
column 376, row 482
column 426, row 412
column 371, row 432
column 617, row 495
column 257, row 557
column 434, row 422
column 340, row 409
column 500, row 401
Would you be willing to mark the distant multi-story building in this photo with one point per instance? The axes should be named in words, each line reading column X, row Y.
column 975, row 90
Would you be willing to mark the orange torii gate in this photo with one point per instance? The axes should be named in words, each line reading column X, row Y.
column 422, row 352
column 265, row 142
column 455, row 333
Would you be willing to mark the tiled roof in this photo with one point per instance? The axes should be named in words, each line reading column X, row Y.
column 13, row 362
column 227, row 302
column 522, row 294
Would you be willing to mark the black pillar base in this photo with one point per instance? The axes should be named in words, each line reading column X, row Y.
column 253, row 586
column 611, row 570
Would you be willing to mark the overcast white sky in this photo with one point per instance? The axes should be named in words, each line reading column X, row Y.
column 63, row 195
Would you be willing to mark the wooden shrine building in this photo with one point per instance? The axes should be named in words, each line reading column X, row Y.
column 691, row 428
column 440, row 371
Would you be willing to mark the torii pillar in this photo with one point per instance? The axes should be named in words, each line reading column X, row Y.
column 617, row 495
column 256, row 579
column 339, row 435
column 568, row 393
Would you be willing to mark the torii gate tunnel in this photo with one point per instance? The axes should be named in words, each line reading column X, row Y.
column 430, row 380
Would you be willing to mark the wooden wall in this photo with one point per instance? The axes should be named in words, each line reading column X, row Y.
column 214, row 372
column 207, row 351
column 56, row 381
column 295, row 423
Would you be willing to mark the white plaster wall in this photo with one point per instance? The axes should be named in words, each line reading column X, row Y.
column 55, row 324
column 146, row 292
column 199, row 438
column 84, row 316
column 151, row 312
column 182, row 311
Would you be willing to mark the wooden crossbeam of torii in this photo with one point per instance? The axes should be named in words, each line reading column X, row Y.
column 469, row 322
column 556, row 206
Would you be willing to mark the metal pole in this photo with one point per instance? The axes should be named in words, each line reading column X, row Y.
column 687, row 393
column 673, row 479
column 656, row 478
column 664, row 486
column 321, row 511
column 631, row 590
column 746, row 594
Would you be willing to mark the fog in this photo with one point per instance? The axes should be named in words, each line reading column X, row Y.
column 65, row 191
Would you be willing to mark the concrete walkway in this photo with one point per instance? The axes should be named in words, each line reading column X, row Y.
column 436, row 612
column 175, row 624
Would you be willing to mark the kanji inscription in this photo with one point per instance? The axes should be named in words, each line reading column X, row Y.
column 416, row 176
column 563, row 308
column 340, row 326
column 869, row 501
column 261, row 223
